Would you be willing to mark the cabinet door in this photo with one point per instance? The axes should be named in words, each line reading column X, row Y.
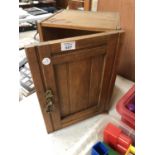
column 74, row 77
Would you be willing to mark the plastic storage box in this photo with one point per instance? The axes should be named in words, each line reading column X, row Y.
column 128, row 116
column 95, row 135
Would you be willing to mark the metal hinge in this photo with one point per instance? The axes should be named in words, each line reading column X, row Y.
column 49, row 100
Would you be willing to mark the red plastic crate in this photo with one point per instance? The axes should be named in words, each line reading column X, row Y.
column 128, row 116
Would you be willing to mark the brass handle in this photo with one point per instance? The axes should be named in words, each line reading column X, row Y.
column 49, row 100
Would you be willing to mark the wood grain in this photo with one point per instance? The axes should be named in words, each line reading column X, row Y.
column 95, row 79
column 87, row 5
column 79, row 84
column 75, row 4
column 126, row 8
column 61, row 74
column 61, row 4
column 50, row 83
column 84, row 20
column 34, row 64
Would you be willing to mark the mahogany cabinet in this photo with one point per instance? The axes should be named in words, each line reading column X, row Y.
column 74, row 65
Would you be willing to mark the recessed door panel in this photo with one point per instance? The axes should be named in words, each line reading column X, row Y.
column 78, row 84
column 79, row 77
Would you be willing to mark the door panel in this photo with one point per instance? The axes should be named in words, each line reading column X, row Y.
column 73, row 95
column 61, row 74
column 76, row 79
column 79, row 73
column 97, row 67
column 79, row 79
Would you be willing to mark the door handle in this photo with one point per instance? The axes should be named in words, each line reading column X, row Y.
column 49, row 100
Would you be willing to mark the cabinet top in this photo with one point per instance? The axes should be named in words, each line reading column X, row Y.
column 83, row 20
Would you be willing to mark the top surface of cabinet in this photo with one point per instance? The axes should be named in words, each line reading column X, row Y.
column 84, row 20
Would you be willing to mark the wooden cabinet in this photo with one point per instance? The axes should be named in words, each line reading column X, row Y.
column 74, row 66
column 61, row 4
column 78, row 4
